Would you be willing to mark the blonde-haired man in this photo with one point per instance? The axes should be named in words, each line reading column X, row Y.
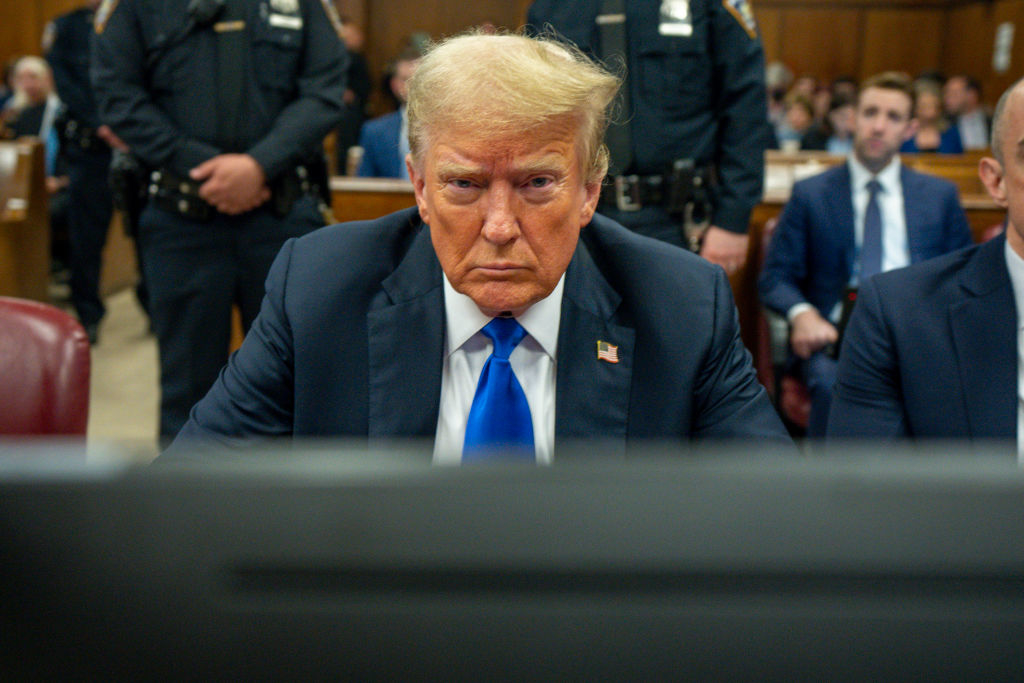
column 501, row 315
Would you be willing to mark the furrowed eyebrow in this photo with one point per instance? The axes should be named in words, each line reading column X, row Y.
column 453, row 170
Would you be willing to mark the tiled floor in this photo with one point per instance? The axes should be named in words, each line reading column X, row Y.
column 123, row 400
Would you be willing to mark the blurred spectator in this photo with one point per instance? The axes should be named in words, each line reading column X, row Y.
column 845, row 86
column 34, row 105
column 835, row 133
column 797, row 121
column 962, row 99
column 778, row 79
column 385, row 139
column 32, row 111
column 934, row 132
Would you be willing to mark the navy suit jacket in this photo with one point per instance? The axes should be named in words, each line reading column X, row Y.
column 379, row 140
column 350, row 342
column 813, row 250
column 931, row 351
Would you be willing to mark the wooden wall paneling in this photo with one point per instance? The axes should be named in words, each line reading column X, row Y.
column 972, row 27
column 901, row 39
column 994, row 84
column 389, row 23
column 769, row 24
column 821, row 42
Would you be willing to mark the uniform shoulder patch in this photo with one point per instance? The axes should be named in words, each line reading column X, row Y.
column 332, row 14
column 741, row 11
column 103, row 13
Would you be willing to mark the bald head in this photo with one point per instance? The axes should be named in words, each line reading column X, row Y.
column 1010, row 107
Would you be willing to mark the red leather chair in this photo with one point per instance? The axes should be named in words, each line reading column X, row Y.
column 44, row 370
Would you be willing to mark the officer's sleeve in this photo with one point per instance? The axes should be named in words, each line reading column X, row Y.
column 71, row 90
column 742, row 112
column 302, row 125
column 119, row 82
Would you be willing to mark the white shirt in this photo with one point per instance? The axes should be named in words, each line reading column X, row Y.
column 466, row 351
column 1015, row 264
column 895, row 253
column 973, row 129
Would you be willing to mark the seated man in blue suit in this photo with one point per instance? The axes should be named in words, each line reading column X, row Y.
column 501, row 313
column 866, row 216
column 934, row 350
column 385, row 139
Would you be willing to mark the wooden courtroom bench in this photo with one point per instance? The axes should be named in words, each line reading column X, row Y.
column 24, row 221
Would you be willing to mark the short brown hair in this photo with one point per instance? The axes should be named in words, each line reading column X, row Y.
column 892, row 80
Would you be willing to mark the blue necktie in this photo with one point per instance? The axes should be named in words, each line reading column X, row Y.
column 499, row 421
column 871, row 246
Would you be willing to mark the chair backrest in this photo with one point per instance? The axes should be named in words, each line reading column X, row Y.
column 44, row 370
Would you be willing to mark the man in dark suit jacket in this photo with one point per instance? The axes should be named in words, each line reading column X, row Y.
column 815, row 252
column 933, row 350
column 360, row 329
column 384, row 147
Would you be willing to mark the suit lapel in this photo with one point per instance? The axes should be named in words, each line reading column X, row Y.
column 406, row 346
column 592, row 394
column 912, row 198
column 985, row 338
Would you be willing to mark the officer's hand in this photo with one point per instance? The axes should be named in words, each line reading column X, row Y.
column 810, row 332
column 724, row 247
column 232, row 183
column 110, row 137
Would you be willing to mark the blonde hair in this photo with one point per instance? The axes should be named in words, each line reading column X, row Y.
column 508, row 85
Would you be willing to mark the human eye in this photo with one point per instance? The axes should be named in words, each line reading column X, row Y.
column 539, row 182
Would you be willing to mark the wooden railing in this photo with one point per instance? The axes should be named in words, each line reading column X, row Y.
column 24, row 221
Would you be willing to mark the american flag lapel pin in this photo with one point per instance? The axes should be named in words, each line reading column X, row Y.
column 607, row 352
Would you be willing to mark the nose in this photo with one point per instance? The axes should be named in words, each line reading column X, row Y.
column 501, row 224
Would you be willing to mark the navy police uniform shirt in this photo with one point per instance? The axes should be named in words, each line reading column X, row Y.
column 696, row 78
column 67, row 42
column 155, row 74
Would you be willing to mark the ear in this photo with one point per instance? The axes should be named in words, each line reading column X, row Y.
column 991, row 173
column 593, row 194
column 419, row 184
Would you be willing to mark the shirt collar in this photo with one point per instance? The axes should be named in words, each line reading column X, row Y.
column 1015, row 264
column 541, row 320
column 888, row 177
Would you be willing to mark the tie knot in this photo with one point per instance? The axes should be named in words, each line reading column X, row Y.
column 874, row 187
column 506, row 333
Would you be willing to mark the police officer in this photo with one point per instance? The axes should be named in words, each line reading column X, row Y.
column 691, row 165
column 87, row 153
column 226, row 102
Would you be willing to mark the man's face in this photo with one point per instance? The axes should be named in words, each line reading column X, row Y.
column 954, row 95
column 883, row 123
column 505, row 213
column 1005, row 181
column 35, row 87
column 400, row 81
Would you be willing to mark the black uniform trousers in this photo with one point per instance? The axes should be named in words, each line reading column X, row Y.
column 91, row 208
column 195, row 271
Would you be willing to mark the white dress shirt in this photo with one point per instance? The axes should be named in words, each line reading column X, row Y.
column 466, row 351
column 1015, row 264
column 895, row 253
column 973, row 128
